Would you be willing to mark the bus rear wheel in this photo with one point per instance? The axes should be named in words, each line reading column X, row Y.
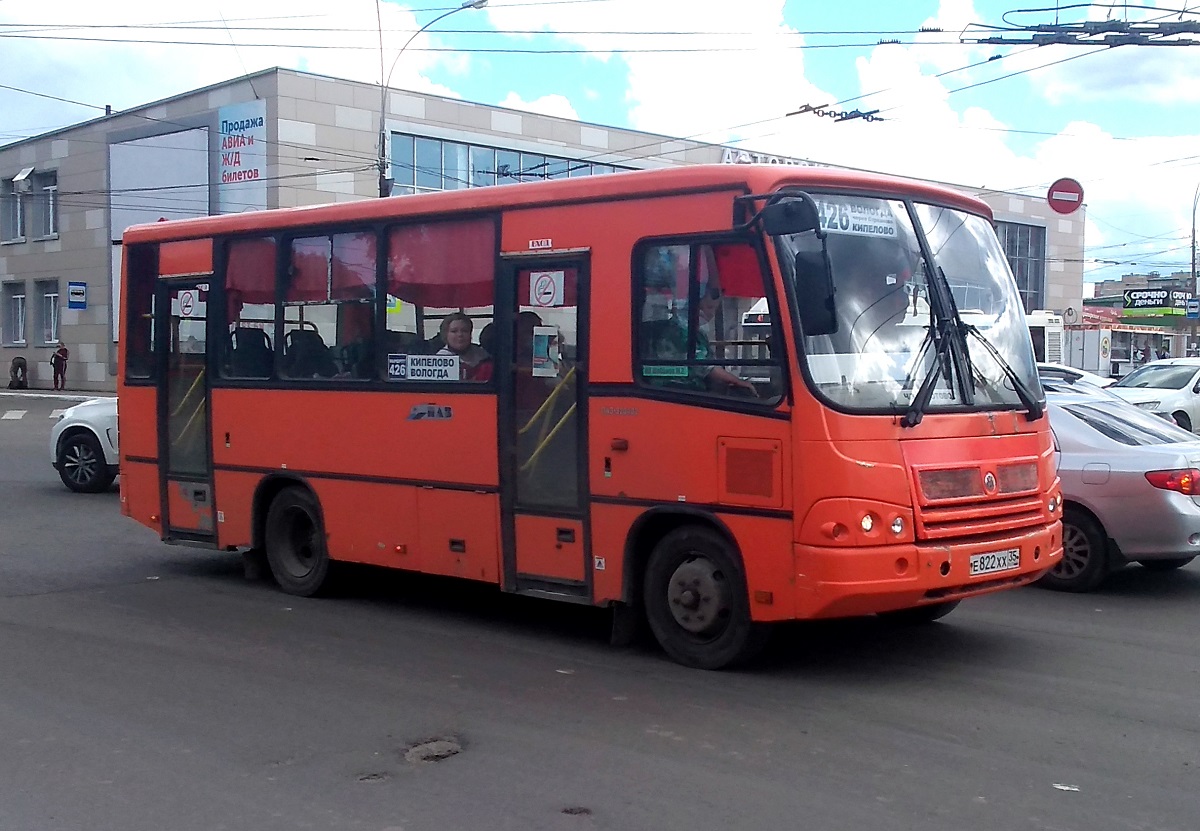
column 295, row 542
column 696, row 601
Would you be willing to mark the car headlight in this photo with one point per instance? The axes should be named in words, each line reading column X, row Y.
column 1148, row 405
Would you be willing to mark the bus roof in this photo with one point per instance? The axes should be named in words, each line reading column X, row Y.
column 759, row 179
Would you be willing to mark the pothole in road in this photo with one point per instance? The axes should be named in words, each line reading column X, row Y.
column 433, row 750
column 577, row 811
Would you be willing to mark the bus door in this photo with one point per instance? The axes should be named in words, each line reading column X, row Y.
column 183, row 421
column 543, row 453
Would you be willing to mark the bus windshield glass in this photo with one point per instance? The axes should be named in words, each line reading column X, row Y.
column 899, row 317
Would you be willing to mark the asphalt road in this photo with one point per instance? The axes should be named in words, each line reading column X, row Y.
column 147, row 687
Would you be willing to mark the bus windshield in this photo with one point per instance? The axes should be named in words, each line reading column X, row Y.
column 886, row 338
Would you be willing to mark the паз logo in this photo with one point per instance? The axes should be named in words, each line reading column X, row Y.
column 422, row 412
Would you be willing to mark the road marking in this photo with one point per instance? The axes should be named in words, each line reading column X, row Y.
column 13, row 415
column 56, row 413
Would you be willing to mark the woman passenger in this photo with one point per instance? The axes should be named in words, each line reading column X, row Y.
column 474, row 363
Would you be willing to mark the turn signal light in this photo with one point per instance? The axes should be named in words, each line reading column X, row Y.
column 1186, row 481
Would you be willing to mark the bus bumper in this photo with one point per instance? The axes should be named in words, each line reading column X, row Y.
column 847, row 582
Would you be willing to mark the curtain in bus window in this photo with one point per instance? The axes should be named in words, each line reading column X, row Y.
column 308, row 281
column 443, row 264
column 740, row 274
column 353, row 266
column 250, row 274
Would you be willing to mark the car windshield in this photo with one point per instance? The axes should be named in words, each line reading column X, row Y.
column 1128, row 425
column 1159, row 377
column 882, row 348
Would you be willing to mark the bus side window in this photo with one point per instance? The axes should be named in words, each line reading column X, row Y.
column 141, row 271
column 693, row 333
column 328, row 321
column 248, row 348
column 441, row 273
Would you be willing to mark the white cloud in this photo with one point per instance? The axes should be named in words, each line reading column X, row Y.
column 1158, row 74
column 556, row 105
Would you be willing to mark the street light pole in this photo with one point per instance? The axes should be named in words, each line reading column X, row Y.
column 385, row 182
column 1195, row 200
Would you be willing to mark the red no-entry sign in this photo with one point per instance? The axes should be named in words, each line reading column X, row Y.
column 1065, row 196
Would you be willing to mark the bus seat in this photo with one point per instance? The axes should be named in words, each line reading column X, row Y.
column 404, row 343
column 305, row 355
column 250, row 354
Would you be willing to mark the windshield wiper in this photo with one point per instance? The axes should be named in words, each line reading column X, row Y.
column 950, row 358
column 1033, row 406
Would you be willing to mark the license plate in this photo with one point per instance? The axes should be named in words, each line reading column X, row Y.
column 995, row 561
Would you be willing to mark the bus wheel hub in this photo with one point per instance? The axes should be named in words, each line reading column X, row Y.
column 698, row 595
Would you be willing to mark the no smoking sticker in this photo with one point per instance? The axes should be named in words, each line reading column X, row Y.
column 187, row 303
column 546, row 288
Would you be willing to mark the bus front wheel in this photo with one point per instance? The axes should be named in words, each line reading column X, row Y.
column 696, row 601
column 296, row 543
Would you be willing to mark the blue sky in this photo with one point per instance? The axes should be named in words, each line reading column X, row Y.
column 1125, row 122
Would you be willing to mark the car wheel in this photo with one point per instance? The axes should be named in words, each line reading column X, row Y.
column 696, row 601
column 81, row 464
column 295, row 543
column 1183, row 421
column 1165, row 565
column 1084, row 562
column 921, row 614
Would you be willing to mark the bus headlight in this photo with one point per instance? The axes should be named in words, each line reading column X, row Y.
column 868, row 522
column 898, row 526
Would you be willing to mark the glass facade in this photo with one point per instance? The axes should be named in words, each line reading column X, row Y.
column 426, row 164
column 1025, row 248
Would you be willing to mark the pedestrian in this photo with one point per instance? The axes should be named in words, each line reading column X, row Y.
column 58, row 362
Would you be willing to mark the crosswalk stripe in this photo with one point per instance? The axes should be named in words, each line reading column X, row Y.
column 57, row 413
column 13, row 415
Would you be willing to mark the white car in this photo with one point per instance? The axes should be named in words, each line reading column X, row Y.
column 1070, row 373
column 1170, row 388
column 83, row 445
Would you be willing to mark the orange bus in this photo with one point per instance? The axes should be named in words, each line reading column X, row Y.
column 560, row 388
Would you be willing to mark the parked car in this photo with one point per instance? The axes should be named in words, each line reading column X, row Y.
column 1170, row 387
column 1131, row 489
column 83, row 445
column 1069, row 373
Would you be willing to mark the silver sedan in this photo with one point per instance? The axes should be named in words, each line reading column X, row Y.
column 1131, row 489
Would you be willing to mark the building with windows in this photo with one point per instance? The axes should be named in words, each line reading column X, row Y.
column 281, row 138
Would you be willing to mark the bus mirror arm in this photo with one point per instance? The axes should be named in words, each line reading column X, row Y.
column 785, row 212
column 795, row 214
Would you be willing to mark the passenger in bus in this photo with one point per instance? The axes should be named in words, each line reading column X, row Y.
column 474, row 363
column 666, row 340
column 487, row 339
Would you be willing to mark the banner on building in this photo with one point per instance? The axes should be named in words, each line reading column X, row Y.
column 242, row 157
column 1144, row 302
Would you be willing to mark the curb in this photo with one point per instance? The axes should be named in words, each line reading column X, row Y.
column 52, row 396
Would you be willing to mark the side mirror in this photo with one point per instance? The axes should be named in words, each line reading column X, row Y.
column 791, row 216
column 815, row 294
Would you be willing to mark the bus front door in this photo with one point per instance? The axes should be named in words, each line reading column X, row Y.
column 543, row 476
column 183, row 423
